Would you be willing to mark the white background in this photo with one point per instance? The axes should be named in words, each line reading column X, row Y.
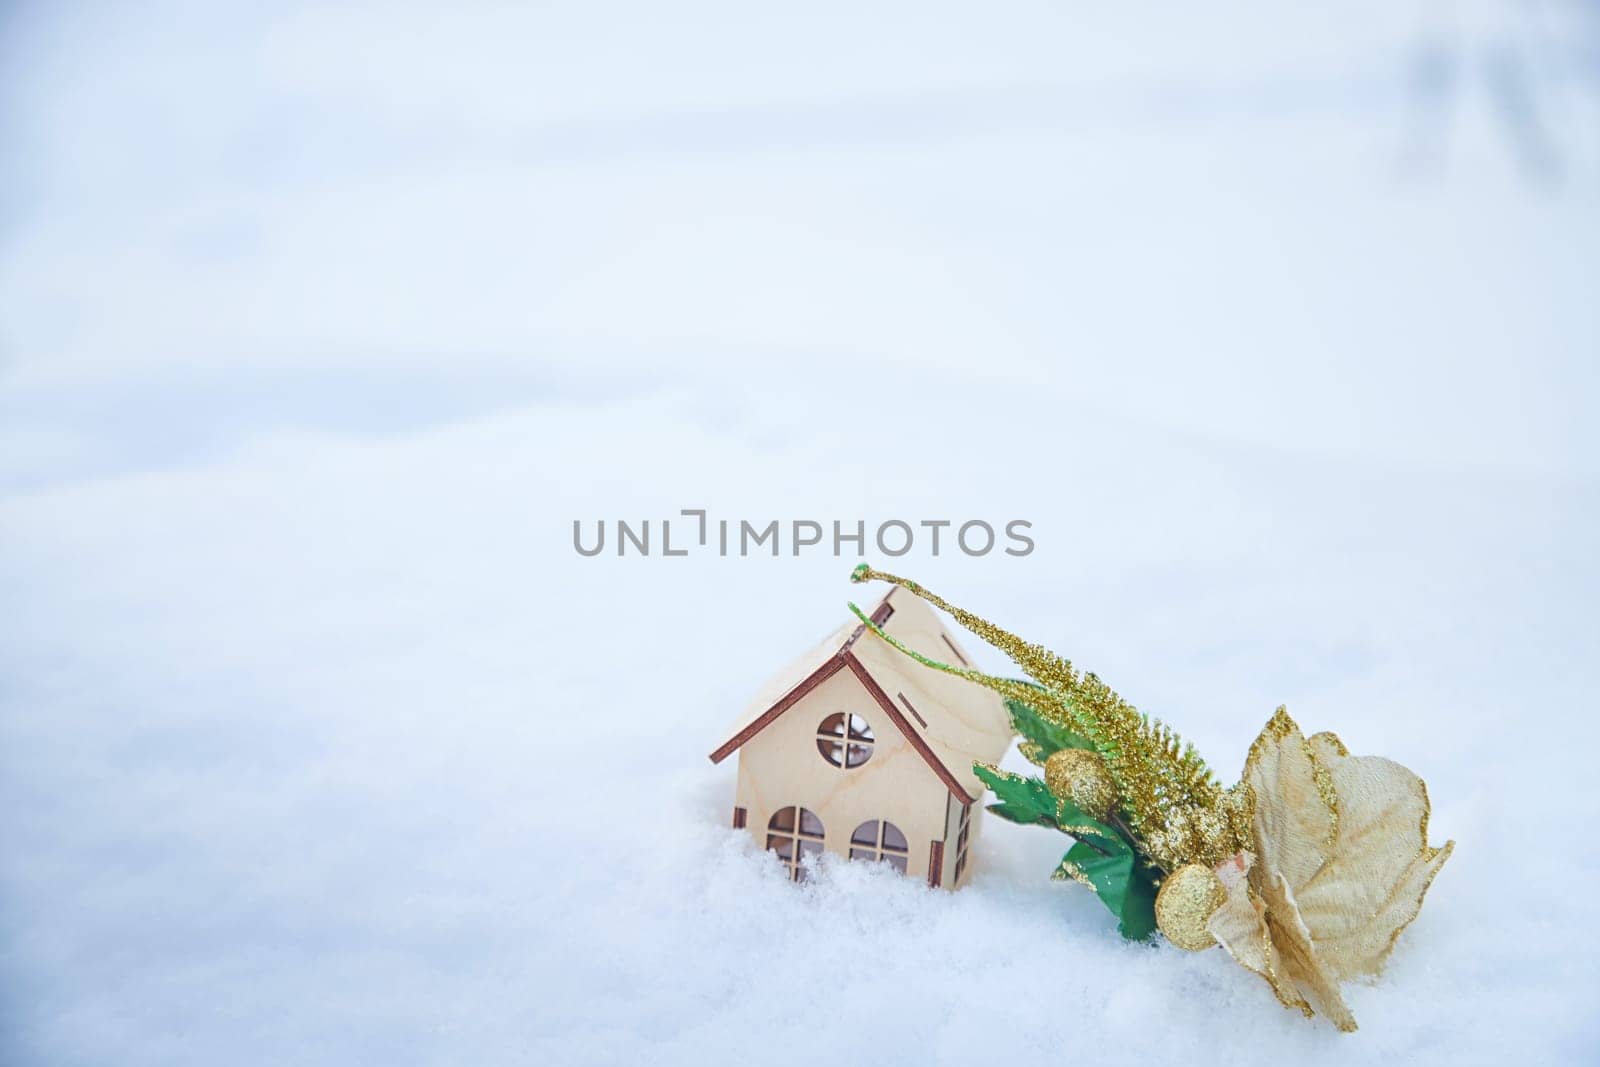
column 318, row 328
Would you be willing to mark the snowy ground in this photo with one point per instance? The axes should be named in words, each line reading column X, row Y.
column 319, row 743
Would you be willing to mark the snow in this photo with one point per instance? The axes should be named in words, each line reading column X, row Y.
column 319, row 743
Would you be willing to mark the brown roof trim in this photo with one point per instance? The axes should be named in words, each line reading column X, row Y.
column 830, row 667
column 872, row 686
column 857, row 632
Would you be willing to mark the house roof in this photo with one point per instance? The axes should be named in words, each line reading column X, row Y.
column 949, row 721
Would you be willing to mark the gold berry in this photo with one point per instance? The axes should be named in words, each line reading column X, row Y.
column 1078, row 775
column 1187, row 899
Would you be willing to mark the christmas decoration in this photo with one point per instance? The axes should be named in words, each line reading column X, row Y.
column 1080, row 776
column 1337, row 866
column 853, row 750
column 1305, row 871
column 1188, row 898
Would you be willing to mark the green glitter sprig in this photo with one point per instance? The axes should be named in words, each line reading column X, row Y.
column 1168, row 795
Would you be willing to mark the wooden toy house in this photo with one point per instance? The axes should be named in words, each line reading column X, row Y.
column 857, row 749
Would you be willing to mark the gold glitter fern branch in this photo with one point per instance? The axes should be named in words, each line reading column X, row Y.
column 1171, row 802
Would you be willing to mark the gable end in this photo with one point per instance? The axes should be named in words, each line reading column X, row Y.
column 831, row 666
column 871, row 685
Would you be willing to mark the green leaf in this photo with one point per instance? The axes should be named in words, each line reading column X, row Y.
column 1022, row 800
column 1041, row 738
column 1122, row 882
column 1103, row 857
column 1097, row 835
column 1029, row 801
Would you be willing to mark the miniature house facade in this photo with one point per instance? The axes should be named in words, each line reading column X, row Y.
column 856, row 749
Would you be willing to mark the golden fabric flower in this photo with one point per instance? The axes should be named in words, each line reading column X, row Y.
column 1339, row 865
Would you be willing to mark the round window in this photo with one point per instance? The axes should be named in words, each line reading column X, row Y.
column 845, row 740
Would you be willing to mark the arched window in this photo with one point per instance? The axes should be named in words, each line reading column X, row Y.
column 793, row 833
column 845, row 740
column 879, row 841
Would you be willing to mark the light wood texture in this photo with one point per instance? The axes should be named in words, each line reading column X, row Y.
column 781, row 767
column 792, row 674
column 927, row 730
column 965, row 721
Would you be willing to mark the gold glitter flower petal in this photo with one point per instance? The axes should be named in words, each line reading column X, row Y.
column 1342, row 863
column 1357, row 904
column 1299, row 952
column 1240, row 926
column 1296, row 814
